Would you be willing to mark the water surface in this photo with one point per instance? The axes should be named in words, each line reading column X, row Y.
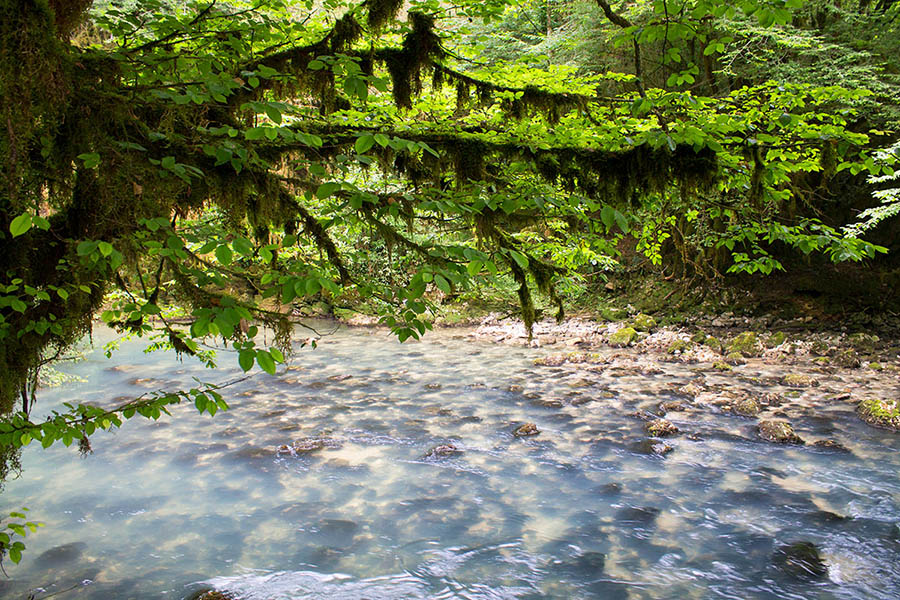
column 163, row 509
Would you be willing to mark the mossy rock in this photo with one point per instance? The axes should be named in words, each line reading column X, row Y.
column 798, row 380
column 699, row 337
column 779, row 432
column 652, row 447
column 526, row 430
column 773, row 340
column 847, row 359
column 679, row 347
column 800, row 560
column 660, row 428
column 623, row 337
column 880, row 413
column 746, row 344
column 863, row 342
column 735, row 358
column 713, row 343
column 642, row 322
column 720, row 365
column 746, row 407
column 443, row 451
column 822, row 361
column 876, row 366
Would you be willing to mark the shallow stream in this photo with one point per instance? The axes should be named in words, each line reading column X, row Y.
column 164, row 509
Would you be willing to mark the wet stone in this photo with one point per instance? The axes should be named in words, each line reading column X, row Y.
column 799, row 380
column 652, row 448
column 608, row 489
column 672, row 406
column 880, row 413
column 800, row 560
column 525, row 430
column 660, row 428
column 831, row 445
column 637, row 515
column 746, row 407
column 779, row 432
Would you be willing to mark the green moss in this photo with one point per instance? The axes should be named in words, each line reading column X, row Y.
column 880, row 413
column 746, row 344
column 642, row 322
column 773, row 340
column 721, row 366
column 678, row 347
column 623, row 337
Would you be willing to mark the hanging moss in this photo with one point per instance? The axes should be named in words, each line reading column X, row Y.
column 382, row 11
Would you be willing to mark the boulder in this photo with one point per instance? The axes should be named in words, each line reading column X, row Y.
column 880, row 413
column 773, row 340
column 679, row 347
column 653, row 448
column 623, row 337
column 721, row 365
column 779, row 432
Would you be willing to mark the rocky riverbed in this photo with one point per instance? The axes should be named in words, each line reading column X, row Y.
column 736, row 369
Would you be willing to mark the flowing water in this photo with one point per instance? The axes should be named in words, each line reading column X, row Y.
column 164, row 509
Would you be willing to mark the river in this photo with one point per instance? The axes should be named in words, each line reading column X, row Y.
column 164, row 509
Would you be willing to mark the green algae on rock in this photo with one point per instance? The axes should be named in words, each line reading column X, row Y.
column 746, row 344
column 661, row 428
column 880, row 413
column 798, row 380
column 779, row 432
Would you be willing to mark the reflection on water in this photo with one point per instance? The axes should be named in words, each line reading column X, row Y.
column 163, row 509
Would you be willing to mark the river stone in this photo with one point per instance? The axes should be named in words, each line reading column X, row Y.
column 643, row 322
column 746, row 407
column 798, row 380
column 779, row 432
column 735, row 359
column 55, row 557
column 660, row 428
column 847, row 359
column 443, row 451
column 800, row 560
column 209, row 595
column 720, row 365
column 831, row 445
column 699, row 337
column 526, row 430
column 880, row 413
column 746, row 344
column 713, row 344
column 623, row 337
column 819, row 348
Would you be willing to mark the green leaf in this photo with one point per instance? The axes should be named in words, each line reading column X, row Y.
column 20, row 224
column 224, row 255
column 243, row 246
column 520, row 258
column 276, row 354
column 441, row 282
column 327, row 189
column 245, row 359
column 364, row 143
column 90, row 159
column 265, row 361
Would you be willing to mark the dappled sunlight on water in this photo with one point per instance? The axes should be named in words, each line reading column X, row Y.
column 579, row 511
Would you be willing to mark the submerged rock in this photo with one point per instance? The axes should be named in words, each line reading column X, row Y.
column 672, row 406
column 779, row 432
column 800, row 560
column 660, row 428
column 443, row 451
column 209, row 595
column 526, row 430
column 880, row 413
column 59, row 555
column 831, row 445
column 308, row 445
column 652, row 447
column 623, row 337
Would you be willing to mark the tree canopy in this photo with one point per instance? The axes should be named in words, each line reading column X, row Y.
column 187, row 170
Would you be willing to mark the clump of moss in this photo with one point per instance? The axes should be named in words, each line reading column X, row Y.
column 623, row 337
column 746, row 344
